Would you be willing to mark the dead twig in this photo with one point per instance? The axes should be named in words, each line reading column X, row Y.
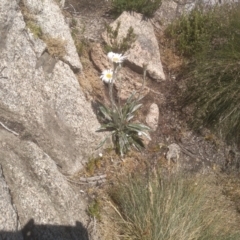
column 89, row 180
column 93, row 179
column 187, row 152
column 8, row 129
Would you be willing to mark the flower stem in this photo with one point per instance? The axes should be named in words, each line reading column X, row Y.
column 144, row 79
column 115, row 70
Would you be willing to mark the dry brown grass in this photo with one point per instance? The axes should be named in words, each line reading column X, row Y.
column 25, row 12
column 55, row 46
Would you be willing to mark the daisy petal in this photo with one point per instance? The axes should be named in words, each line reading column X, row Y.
column 110, row 55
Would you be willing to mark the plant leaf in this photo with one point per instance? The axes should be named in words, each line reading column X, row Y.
column 103, row 141
column 106, row 127
column 106, row 112
column 130, row 117
column 136, row 107
column 138, row 127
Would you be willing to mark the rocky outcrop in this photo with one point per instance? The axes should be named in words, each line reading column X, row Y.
column 47, row 127
column 173, row 152
column 165, row 14
column 145, row 49
column 47, row 15
column 42, row 96
column 8, row 217
column 38, row 190
column 153, row 116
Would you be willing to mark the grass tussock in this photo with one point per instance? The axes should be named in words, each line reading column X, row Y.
column 55, row 46
column 173, row 208
column 209, row 39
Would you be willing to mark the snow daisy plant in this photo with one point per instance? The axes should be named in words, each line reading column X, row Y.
column 117, row 119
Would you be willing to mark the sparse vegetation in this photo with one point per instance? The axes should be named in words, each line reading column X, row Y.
column 80, row 45
column 210, row 39
column 173, row 208
column 73, row 23
column 55, row 46
column 146, row 7
column 35, row 29
column 29, row 19
column 119, row 46
column 94, row 209
column 92, row 165
column 77, row 36
column 195, row 31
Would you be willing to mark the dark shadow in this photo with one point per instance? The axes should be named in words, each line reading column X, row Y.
column 1, row 72
column 95, row 107
column 32, row 231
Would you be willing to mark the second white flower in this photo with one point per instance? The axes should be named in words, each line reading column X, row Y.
column 116, row 57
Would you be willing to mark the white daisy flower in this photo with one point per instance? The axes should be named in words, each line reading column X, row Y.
column 116, row 57
column 107, row 76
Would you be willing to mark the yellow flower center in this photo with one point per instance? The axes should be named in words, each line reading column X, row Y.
column 115, row 59
column 109, row 75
